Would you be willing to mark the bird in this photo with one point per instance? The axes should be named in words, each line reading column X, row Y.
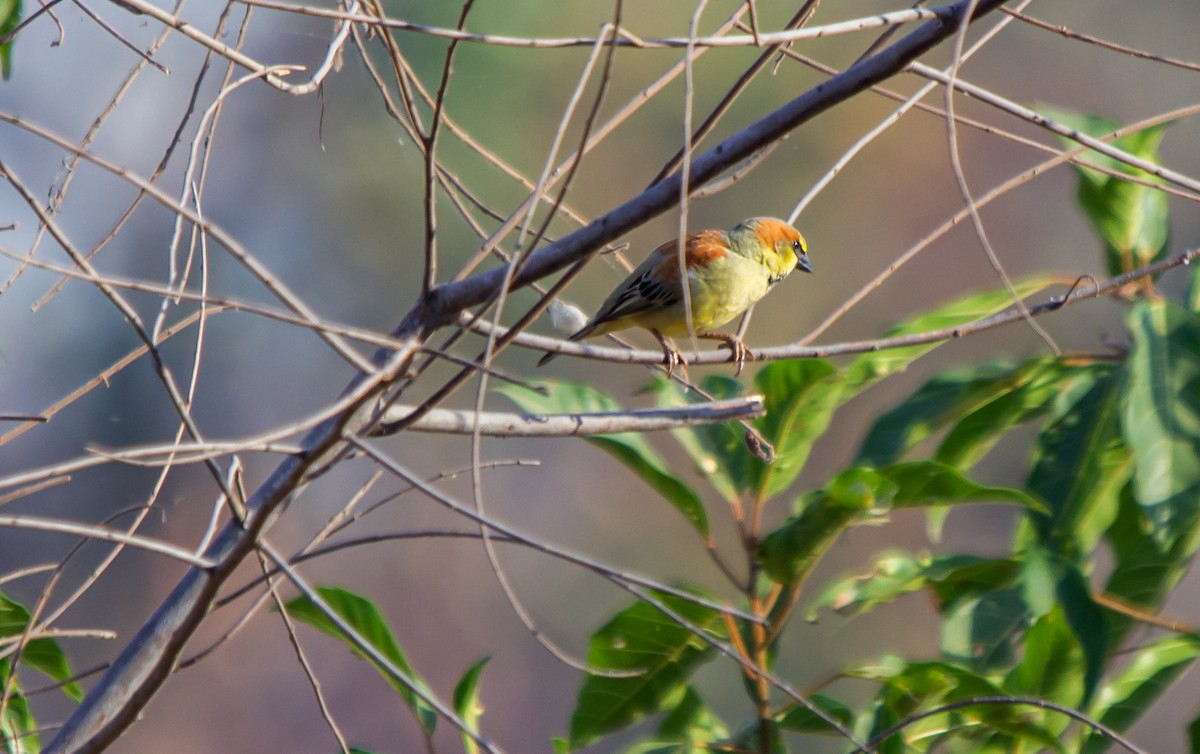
column 727, row 271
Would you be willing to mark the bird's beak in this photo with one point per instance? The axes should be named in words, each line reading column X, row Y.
column 803, row 263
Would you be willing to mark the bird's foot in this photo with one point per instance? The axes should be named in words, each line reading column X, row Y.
column 738, row 350
column 671, row 355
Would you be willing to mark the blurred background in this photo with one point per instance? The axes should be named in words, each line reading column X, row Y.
column 326, row 191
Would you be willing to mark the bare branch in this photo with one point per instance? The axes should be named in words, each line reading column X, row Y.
column 502, row 424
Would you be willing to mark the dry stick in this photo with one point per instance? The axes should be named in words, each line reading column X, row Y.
column 1106, row 44
column 269, row 575
column 190, row 187
column 979, row 701
column 119, row 696
column 217, row 304
column 164, row 374
column 336, row 523
column 106, row 26
column 26, row 572
column 960, row 178
column 176, row 139
column 35, row 624
column 1059, row 129
column 962, row 120
column 247, row 62
column 369, row 650
column 260, row 272
column 794, row 351
column 995, row 193
column 492, row 347
column 69, row 168
column 450, row 182
column 685, row 183
column 57, row 526
column 519, row 537
column 429, row 278
column 628, row 39
column 601, row 133
column 309, row 673
column 100, row 379
column 403, row 75
column 739, row 86
column 506, row 424
column 750, row 666
column 46, row 8
column 908, row 103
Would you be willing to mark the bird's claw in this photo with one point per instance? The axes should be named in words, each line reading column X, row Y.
column 672, row 358
column 671, row 355
column 738, row 350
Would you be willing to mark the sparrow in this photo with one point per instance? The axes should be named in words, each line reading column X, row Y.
column 727, row 272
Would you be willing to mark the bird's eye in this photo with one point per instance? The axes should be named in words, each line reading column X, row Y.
column 796, row 246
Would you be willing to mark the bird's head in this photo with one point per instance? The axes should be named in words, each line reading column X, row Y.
column 781, row 246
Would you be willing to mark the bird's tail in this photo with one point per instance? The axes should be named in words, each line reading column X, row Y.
column 574, row 338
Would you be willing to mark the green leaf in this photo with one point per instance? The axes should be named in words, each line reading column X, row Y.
column 1081, row 463
column 909, row 688
column 1193, row 290
column 1052, row 666
column 1131, row 218
column 43, row 655
column 869, row 368
column 18, row 728
column 1053, row 585
column 466, row 703
column 800, row 397
column 979, row 632
column 630, row 448
column 663, row 655
column 718, row 451
column 1024, row 395
column 893, row 575
column 1086, row 620
column 944, row 399
column 10, row 19
column 951, row 578
column 690, row 728
column 1144, row 569
column 1161, row 416
column 802, row 719
column 364, row 617
column 1124, row 699
column 922, row 483
column 790, row 552
column 749, row 738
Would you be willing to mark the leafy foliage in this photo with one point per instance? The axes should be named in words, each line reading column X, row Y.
column 1116, row 465
column 18, row 729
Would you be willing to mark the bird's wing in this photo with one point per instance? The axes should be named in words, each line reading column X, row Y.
column 655, row 283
